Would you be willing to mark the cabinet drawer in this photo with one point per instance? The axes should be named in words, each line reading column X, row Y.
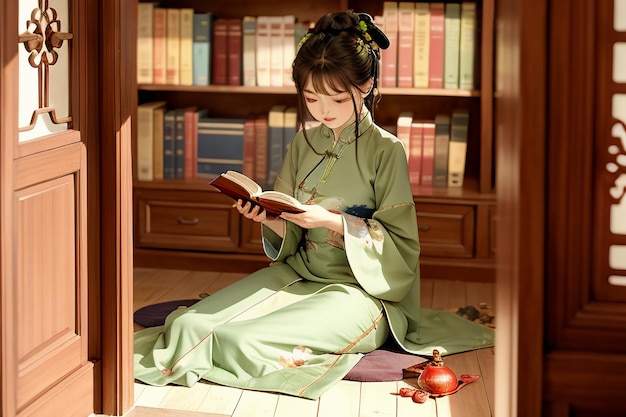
column 185, row 220
column 446, row 230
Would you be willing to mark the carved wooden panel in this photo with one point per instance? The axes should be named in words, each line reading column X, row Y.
column 582, row 304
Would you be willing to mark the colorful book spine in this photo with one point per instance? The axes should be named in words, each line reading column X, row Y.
column 220, row 145
column 275, row 142
column 442, row 141
column 201, row 48
column 261, row 146
column 452, row 32
column 428, row 154
column 145, row 44
column 249, row 147
column 289, row 48
column 249, row 51
column 145, row 140
column 290, row 120
column 389, row 76
column 263, row 54
column 157, row 143
column 169, row 134
column 421, row 53
column 467, row 46
column 459, row 126
column 159, row 29
column 406, row 30
column 179, row 144
column 436, row 48
column 276, row 51
column 219, row 58
column 415, row 152
column 186, row 46
column 235, row 33
column 172, row 67
column 403, row 130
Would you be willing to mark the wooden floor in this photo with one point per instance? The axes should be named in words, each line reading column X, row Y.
column 346, row 399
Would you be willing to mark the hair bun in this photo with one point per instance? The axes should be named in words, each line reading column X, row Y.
column 374, row 31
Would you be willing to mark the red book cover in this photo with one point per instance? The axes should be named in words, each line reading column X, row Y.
column 235, row 30
column 249, row 146
column 219, row 63
column 191, row 115
column 159, row 33
column 428, row 154
column 389, row 56
column 436, row 57
column 415, row 152
column 261, row 138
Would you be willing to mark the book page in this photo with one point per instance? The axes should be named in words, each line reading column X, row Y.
column 252, row 187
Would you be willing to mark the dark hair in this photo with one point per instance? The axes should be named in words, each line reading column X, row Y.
column 339, row 54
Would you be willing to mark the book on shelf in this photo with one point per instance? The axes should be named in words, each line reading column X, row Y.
column 263, row 54
column 202, row 30
column 240, row 187
column 428, row 154
column 234, row 51
column 415, row 152
column 159, row 42
column 219, row 58
column 406, row 30
column 186, row 46
column 290, row 120
column 275, row 132
column 261, row 144
column 436, row 47
column 145, row 135
column 390, row 55
column 403, row 130
column 277, row 33
column 467, row 46
column 442, row 140
column 157, row 142
column 144, row 43
column 220, row 145
column 452, row 32
column 289, row 48
column 459, row 124
column 169, row 134
column 249, row 50
column 421, row 42
column 179, row 144
column 192, row 115
column 249, row 146
column 172, row 47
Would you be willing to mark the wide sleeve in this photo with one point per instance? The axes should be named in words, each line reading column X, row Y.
column 383, row 251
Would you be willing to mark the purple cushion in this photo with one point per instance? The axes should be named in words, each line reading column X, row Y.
column 155, row 314
column 382, row 365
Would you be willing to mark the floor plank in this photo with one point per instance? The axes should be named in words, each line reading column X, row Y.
column 290, row 406
column 256, row 404
column 471, row 397
column 220, row 399
column 378, row 399
column 341, row 400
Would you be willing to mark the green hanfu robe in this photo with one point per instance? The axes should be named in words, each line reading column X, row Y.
column 299, row 325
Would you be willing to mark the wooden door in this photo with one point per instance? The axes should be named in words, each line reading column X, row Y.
column 44, row 125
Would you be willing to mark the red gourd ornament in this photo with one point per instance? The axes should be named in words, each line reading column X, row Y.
column 436, row 378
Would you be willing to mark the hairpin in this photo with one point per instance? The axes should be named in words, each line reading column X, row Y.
column 372, row 32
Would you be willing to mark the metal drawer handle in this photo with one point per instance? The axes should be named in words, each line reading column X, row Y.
column 191, row 222
column 423, row 228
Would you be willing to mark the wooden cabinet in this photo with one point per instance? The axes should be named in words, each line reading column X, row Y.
column 184, row 223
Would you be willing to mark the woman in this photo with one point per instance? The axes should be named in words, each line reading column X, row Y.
column 344, row 274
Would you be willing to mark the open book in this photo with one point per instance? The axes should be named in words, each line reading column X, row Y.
column 238, row 186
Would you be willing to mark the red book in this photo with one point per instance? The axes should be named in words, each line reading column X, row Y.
column 159, row 33
column 249, row 146
column 415, row 152
column 219, row 61
column 235, row 30
column 261, row 142
column 191, row 116
column 389, row 56
column 428, row 154
column 436, row 49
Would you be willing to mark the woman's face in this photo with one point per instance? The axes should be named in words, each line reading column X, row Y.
column 336, row 110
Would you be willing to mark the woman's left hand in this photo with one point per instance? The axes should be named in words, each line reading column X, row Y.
column 316, row 216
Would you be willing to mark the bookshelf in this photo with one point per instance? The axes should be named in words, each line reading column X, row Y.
column 187, row 223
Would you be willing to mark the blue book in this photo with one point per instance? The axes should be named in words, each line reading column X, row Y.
column 179, row 144
column 169, row 133
column 202, row 23
column 220, row 145
column 275, row 142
